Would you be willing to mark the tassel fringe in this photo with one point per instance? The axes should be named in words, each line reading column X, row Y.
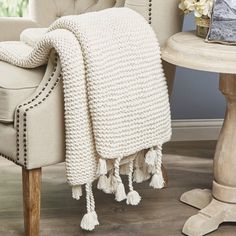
column 88, row 222
column 113, row 183
column 77, row 192
column 102, row 183
column 157, row 181
column 133, row 197
column 95, row 216
column 90, row 219
column 120, row 194
column 151, row 157
column 151, row 169
column 102, row 167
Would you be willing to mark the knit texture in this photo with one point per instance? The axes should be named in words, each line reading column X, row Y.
column 115, row 92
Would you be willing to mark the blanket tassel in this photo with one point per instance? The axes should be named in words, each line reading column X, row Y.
column 120, row 194
column 158, row 181
column 151, row 157
column 90, row 219
column 77, row 192
column 102, row 167
column 133, row 197
column 102, row 183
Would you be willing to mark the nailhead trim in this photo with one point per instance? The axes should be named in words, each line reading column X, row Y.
column 17, row 135
column 25, row 114
column 9, row 158
column 150, row 12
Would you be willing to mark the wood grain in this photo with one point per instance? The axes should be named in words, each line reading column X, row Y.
column 219, row 205
column 187, row 50
column 224, row 186
column 31, row 197
column 189, row 165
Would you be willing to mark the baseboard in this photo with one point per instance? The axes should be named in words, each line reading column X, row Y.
column 193, row 130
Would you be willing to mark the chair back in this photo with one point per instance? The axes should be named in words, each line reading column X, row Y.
column 163, row 15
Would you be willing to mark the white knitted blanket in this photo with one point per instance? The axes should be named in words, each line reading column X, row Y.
column 115, row 95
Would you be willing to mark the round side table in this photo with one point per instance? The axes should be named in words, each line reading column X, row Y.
column 219, row 205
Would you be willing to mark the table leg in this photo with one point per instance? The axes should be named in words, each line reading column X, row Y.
column 220, row 205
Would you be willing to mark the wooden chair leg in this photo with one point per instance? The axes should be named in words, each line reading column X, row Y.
column 32, row 200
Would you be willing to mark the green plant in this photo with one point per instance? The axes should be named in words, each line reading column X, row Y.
column 13, row 7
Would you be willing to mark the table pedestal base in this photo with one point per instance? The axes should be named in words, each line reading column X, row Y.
column 219, row 205
column 198, row 198
column 211, row 215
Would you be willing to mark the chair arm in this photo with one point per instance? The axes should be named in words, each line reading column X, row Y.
column 39, row 122
column 11, row 27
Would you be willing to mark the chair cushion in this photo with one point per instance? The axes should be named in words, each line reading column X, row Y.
column 16, row 84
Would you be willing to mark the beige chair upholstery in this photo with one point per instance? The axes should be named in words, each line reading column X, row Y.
column 16, row 84
column 39, row 141
column 13, row 26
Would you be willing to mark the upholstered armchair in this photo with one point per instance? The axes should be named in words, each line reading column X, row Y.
column 31, row 107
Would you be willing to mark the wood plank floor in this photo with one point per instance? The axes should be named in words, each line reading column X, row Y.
column 160, row 213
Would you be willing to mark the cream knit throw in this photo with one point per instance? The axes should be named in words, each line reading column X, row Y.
column 116, row 100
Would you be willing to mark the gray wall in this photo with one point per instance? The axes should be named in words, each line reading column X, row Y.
column 196, row 94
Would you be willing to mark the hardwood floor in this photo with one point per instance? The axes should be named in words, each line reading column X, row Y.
column 160, row 213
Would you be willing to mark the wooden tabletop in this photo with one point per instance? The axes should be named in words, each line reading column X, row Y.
column 187, row 50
